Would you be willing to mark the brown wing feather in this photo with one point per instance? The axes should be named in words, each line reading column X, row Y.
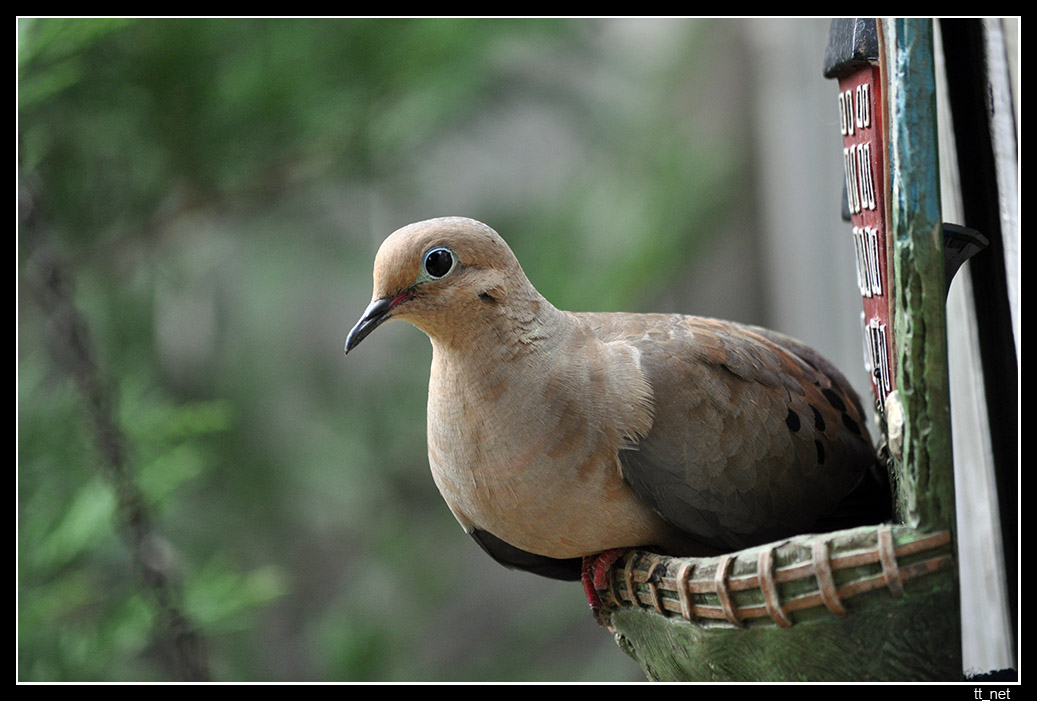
column 755, row 436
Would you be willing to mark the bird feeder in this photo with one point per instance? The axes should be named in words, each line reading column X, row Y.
column 873, row 603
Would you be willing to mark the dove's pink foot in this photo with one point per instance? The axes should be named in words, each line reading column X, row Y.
column 595, row 574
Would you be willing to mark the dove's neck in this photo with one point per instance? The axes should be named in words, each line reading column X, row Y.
column 501, row 324
column 532, row 367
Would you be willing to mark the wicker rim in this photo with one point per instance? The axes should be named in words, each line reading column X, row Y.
column 641, row 579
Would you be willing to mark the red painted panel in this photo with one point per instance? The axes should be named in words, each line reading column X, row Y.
column 860, row 122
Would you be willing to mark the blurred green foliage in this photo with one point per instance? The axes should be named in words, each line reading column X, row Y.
column 215, row 191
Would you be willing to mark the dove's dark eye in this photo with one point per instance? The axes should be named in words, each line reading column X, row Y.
column 439, row 262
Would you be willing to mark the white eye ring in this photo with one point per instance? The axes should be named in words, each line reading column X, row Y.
column 438, row 263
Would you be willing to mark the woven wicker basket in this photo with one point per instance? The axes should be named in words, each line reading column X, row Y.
column 876, row 603
column 772, row 584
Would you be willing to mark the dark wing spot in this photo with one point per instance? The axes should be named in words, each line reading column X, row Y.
column 792, row 421
column 819, row 422
column 834, row 399
column 852, row 425
column 820, row 452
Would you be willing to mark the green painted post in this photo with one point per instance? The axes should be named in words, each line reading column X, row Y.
column 924, row 463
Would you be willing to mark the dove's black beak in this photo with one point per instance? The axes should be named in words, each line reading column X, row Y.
column 378, row 312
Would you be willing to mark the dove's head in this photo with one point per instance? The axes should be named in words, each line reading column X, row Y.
column 445, row 276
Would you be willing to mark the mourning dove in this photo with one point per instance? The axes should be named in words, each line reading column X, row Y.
column 555, row 436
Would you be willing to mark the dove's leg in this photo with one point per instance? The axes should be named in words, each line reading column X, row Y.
column 595, row 574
